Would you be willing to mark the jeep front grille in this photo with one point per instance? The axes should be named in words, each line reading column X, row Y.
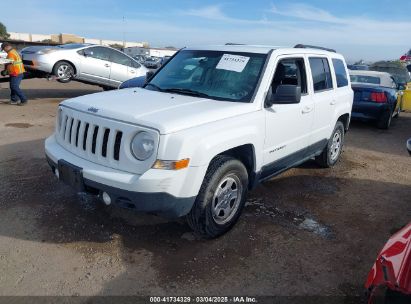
column 91, row 138
column 100, row 140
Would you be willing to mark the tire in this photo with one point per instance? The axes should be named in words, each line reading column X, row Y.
column 206, row 218
column 64, row 71
column 384, row 122
column 332, row 152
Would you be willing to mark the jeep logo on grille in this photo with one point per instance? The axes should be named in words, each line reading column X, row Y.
column 94, row 110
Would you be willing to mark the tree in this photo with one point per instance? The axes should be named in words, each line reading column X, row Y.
column 3, row 31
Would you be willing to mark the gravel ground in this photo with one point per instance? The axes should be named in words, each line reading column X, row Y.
column 309, row 231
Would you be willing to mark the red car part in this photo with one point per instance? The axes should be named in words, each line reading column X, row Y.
column 392, row 269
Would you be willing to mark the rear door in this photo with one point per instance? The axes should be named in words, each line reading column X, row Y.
column 123, row 68
column 95, row 65
column 323, row 97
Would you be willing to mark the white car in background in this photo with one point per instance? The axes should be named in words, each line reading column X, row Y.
column 3, row 54
column 93, row 64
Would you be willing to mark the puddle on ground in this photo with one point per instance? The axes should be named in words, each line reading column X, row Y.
column 301, row 220
column 20, row 125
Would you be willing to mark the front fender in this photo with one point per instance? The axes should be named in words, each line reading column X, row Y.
column 202, row 143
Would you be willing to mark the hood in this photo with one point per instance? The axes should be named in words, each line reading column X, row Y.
column 165, row 112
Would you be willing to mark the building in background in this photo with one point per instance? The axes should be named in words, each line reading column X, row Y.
column 67, row 38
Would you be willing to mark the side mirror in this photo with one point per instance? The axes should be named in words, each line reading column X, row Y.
column 409, row 68
column 285, row 94
column 401, row 87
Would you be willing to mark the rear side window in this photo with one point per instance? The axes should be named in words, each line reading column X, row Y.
column 120, row 58
column 320, row 70
column 340, row 73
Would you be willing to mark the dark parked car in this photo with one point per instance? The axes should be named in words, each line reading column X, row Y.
column 409, row 146
column 375, row 97
column 358, row 67
column 137, row 82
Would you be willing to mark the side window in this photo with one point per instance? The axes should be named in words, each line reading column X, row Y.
column 120, row 58
column 290, row 71
column 320, row 70
column 340, row 73
column 98, row 52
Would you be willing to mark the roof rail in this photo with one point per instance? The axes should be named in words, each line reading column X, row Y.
column 306, row 46
column 233, row 43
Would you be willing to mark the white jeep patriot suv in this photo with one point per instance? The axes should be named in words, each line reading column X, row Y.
column 208, row 126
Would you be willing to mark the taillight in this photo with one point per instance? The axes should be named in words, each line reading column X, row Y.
column 403, row 58
column 378, row 97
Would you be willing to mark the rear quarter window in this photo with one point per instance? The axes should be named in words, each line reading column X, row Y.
column 340, row 73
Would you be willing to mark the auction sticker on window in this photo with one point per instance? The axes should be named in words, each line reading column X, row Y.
column 231, row 62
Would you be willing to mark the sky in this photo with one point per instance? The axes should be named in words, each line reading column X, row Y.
column 359, row 29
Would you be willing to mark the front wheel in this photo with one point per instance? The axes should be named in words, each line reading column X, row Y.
column 221, row 198
column 332, row 151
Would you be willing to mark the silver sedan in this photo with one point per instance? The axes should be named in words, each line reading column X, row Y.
column 87, row 63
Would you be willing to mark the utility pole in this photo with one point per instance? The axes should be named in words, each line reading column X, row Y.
column 124, row 32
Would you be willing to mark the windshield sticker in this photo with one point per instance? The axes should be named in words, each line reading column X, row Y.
column 232, row 63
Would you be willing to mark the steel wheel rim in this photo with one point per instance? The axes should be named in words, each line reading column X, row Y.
column 336, row 145
column 226, row 199
column 64, row 71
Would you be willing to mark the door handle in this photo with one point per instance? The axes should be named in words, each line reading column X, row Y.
column 107, row 65
column 333, row 102
column 132, row 72
column 307, row 109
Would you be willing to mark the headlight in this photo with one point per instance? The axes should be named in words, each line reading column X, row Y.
column 142, row 145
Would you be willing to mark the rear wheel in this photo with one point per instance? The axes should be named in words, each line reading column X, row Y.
column 384, row 122
column 221, row 198
column 64, row 71
column 333, row 150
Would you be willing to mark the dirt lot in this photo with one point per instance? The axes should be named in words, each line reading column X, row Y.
column 309, row 231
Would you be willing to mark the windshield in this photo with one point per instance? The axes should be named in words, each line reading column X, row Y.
column 365, row 79
column 229, row 76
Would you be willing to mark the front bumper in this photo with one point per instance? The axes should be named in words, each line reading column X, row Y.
column 162, row 192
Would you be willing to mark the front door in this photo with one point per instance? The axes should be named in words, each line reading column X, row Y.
column 95, row 65
column 288, row 126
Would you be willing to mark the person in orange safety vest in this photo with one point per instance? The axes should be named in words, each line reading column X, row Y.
column 15, row 70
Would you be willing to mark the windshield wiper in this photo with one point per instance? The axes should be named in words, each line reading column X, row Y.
column 186, row 92
column 155, row 86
